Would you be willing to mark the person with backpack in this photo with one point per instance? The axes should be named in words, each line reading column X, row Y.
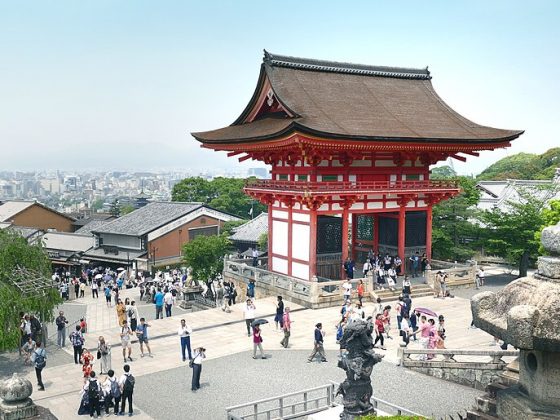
column 112, row 392
column 77, row 340
column 126, row 382
column 132, row 315
column 95, row 395
column 40, row 359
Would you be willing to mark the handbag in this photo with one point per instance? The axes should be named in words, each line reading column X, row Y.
column 98, row 354
column 191, row 363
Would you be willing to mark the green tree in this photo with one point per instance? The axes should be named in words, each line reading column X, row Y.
column 550, row 216
column 453, row 228
column 126, row 209
column 97, row 204
column 443, row 172
column 511, row 233
column 228, row 227
column 15, row 252
column 205, row 255
column 115, row 209
column 262, row 243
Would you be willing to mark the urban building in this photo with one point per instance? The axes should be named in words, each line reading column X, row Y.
column 35, row 215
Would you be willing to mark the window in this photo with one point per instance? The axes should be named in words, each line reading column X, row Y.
column 206, row 231
column 302, row 178
column 282, row 177
column 412, row 177
column 330, row 178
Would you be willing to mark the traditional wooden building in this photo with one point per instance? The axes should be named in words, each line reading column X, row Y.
column 348, row 143
column 32, row 214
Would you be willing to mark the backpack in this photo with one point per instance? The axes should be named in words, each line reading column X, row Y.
column 93, row 390
column 129, row 384
column 115, row 389
column 76, row 339
column 130, row 312
column 40, row 361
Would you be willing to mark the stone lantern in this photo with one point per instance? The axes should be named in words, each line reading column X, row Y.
column 526, row 314
column 16, row 404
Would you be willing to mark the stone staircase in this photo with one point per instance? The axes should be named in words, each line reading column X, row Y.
column 486, row 404
column 387, row 295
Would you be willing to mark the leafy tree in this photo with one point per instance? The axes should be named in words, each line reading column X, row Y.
column 443, row 172
column 524, row 166
column 115, row 210
column 453, row 227
column 228, row 227
column 225, row 194
column 15, row 252
column 511, row 234
column 263, row 242
column 550, row 216
column 205, row 255
column 97, row 204
column 126, row 209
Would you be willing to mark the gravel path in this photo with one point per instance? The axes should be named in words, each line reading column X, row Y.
column 239, row 379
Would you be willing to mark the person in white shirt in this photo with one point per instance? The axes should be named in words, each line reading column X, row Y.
column 480, row 277
column 112, row 392
column 199, row 355
column 366, row 268
column 184, row 333
column 249, row 315
column 347, row 287
column 168, row 299
column 126, row 390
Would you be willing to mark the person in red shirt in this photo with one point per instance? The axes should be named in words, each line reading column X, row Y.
column 257, row 342
column 360, row 290
column 379, row 329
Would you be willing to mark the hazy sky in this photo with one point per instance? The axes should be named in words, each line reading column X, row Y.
column 120, row 84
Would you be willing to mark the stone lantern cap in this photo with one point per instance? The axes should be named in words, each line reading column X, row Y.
column 525, row 312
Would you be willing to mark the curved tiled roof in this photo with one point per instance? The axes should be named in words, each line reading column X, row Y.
column 352, row 101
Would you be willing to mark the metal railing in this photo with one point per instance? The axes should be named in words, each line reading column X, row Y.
column 302, row 403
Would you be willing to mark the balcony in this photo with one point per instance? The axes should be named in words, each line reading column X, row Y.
column 358, row 187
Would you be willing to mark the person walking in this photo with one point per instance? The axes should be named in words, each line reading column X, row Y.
column 94, row 289
column 132, row 315
column 107, row 292
column 480, row 277
column 158, row 301
column 76, row 283
column 279, row 312
column 347, row 290
column 168, row 299
column 142, row 334
column 77, row 340
column 127, row 382
column 104, row 355
column 199, row 356
column 249, row 315
column 113, row 392
column 126, row 332
column 360, row 291
column 61, row 322
column 94, row 391
column 185, row 335
column 251, row 289
column 286, row 326
column 318, row 348
column 257, row 342
column 406, row 286
column 121, row 312
column 379, row 329
column 39, row 358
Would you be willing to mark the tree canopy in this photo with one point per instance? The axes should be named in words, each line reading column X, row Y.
column 524, row 166
column 16, row 253
column 205, row 255
column 225, row 194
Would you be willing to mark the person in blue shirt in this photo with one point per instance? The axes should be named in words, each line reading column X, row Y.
column 108, row 295
column 158, row 300
column 142, row 334
column 318, row 344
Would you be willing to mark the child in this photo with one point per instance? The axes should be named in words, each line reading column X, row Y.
column 83, row 325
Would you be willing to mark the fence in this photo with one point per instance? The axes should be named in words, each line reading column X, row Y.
column 300, row 404
column 458, row 274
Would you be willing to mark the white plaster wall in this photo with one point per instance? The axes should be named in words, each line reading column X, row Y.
column 391, row 205
column 324, row 207
column 300, row 242
column 357, row 206
column 375, row 205
column 280, row 265
column 421, row 203
column 280, row 237
column 384, row 163
column 300, row 217
column 336, row 163
column 375, row 197
column 352, row 178
column 361, row 163
column 280, row 214
column 336, row 206
column 411, row 204
column 324, row 163
column 300, row 271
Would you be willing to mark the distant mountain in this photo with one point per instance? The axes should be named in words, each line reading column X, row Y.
column 523, row 166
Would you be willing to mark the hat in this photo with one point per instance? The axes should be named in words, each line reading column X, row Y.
column 441, row 318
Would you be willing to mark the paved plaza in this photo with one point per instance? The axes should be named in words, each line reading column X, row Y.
column 230, row 376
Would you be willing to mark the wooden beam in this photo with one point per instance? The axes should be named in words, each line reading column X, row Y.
column 236, row 152
column 471, row 153
column 244, row 158
column 461, row 158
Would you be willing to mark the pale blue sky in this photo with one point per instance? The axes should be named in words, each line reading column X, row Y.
column 120, row 84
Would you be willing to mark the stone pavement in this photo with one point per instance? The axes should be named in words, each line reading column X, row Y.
column 224, row 334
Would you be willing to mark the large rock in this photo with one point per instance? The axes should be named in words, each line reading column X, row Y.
column 549, row 267
column 550, row 239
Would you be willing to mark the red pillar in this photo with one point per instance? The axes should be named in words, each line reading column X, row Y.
column 429, row 232
column 354, row 234
column 312, row 243
column 344, row 239
column 401, row 237
column 376, row 233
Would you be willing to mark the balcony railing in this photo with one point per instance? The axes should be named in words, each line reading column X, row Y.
column 302, row 187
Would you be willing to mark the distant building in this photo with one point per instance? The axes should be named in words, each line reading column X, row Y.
column 154, row 234
column 34, row 215
column 247, row 235
column 67, row 249
column 258, row 172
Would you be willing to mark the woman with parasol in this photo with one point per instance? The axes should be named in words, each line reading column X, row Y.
column 257, row 338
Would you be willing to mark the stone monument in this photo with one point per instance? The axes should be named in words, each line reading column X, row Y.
column 526, row 314
column 356, row 389
column 16, row 404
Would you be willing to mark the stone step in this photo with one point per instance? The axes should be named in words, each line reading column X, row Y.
column 513, row 366
column 486, row 404
column 494, row 387
column 479, row 415
column 509, row 378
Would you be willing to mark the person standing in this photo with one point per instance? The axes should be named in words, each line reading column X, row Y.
column 132, row 314
column 406, row 286
column 287, row 326
column 125, row 341
column 480, row 277
column 347, row 289
column 121, row 312
column 61, row 322
column 379, row 329
column 126, row 382
column 82, row 289
column 360, row 290
column 94, row 289
column 104, row 355
column 255, row 255
column 279, row 312
column 251, row 289
column 349, row 268
column 94, row 390
column 318, row 348
column 227, row 297
column 443, row 284
column 249, row 315
column 76, row 283
column 185, row 335
column 257, row 342
column 40, row 359
column 36, row 328
column 168, row 299
column 199, row 355
column 142, row 334
column 77, row 340
column 415, row 260
column 158, row 301
column 113, row 393
column 107, row 292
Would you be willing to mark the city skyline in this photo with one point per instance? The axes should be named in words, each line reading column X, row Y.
column 119, row 86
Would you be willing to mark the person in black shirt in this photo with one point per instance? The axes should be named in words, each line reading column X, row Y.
column 279, row 313
column 318, row 344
